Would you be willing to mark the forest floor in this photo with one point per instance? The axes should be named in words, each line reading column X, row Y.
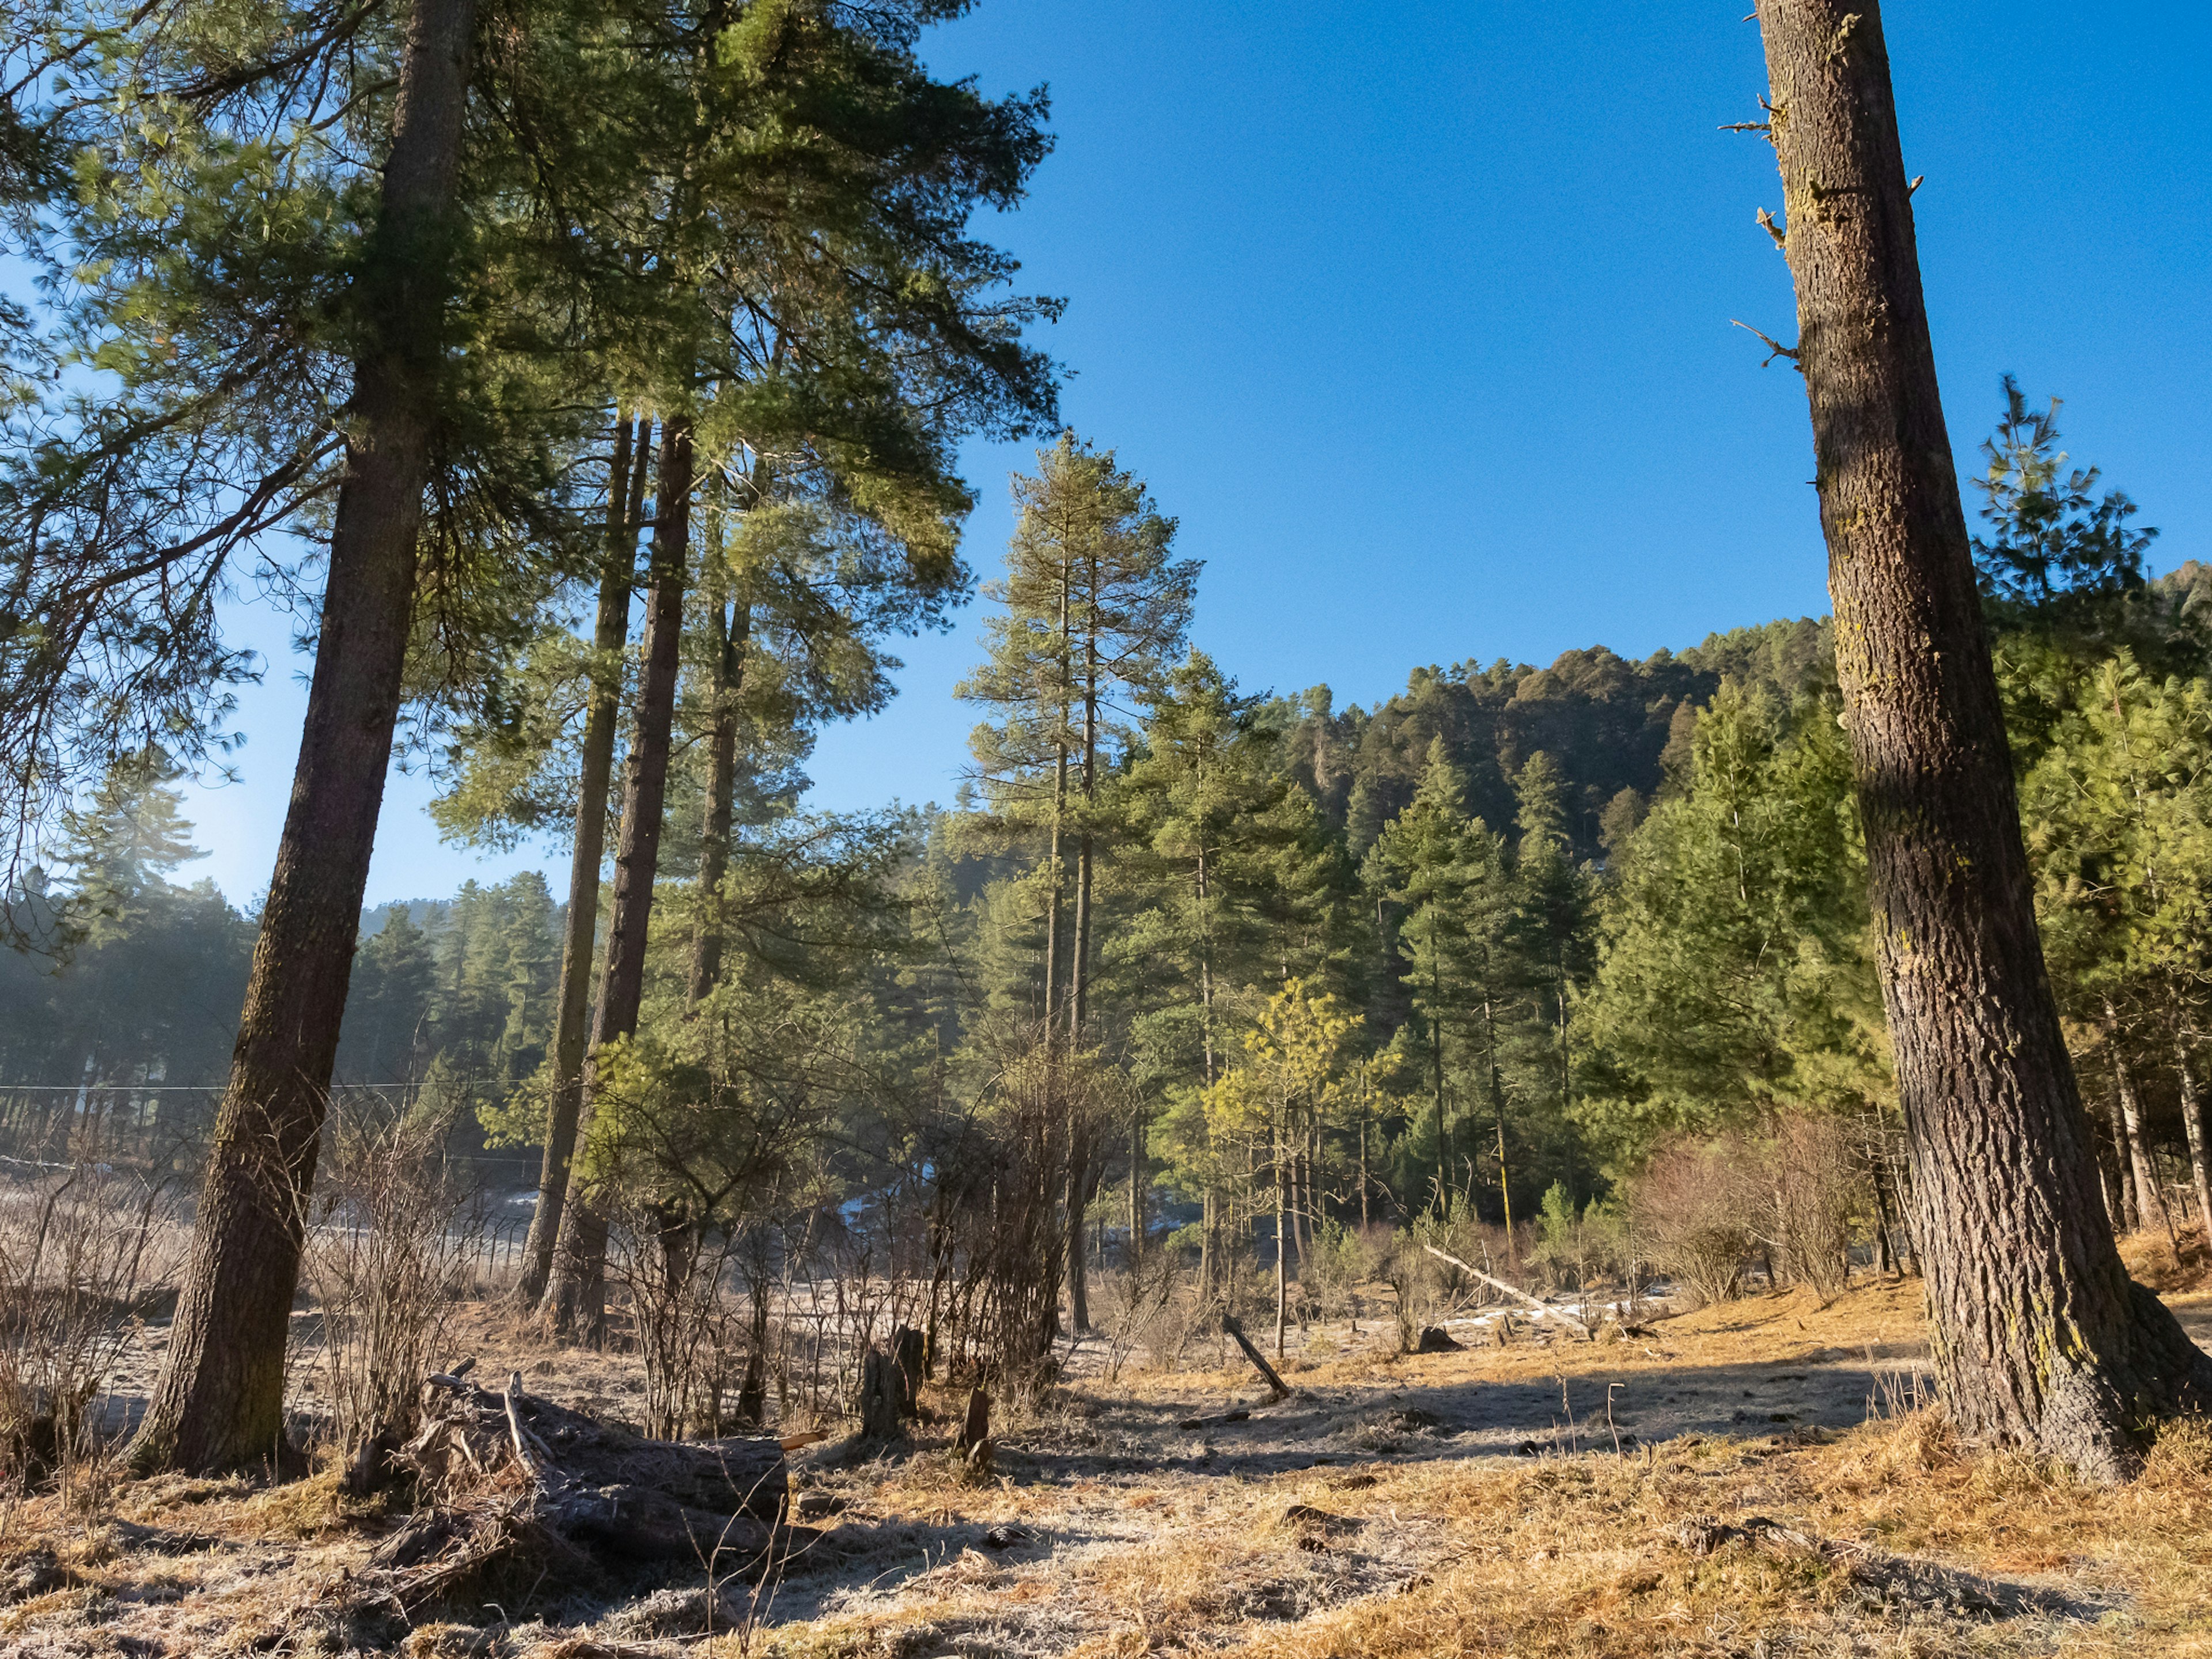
column 1754, row 1479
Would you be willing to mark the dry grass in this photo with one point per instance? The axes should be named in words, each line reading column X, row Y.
column 1382, row 1511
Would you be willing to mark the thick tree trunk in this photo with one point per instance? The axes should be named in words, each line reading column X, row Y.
column 2192, row 1124
column 602, row 715
column 2039, row 1337
column 575, row 1296
column 218, row 1403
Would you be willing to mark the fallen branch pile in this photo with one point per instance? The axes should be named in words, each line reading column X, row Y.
column 501, row 1475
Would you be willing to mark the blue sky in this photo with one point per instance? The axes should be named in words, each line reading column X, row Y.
column 1418, row 317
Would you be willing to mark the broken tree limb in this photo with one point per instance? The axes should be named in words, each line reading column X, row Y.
column 1513, row 1292
column 522, row 1452
column 1282, row 1390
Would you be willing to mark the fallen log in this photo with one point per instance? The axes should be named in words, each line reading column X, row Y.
column 1513, row 1291
column 1282, row 1390
column 503, row 1473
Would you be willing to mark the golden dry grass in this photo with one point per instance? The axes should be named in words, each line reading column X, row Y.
column 1879, row 1537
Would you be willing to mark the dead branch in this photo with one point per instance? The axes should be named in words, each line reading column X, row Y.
column 1513, row 1291
column 1282, row 1390
column 1778, row 349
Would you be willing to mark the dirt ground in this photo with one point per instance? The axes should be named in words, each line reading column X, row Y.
column 1753, row 1479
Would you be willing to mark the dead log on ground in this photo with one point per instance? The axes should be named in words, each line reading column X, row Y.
column 1513, row 1291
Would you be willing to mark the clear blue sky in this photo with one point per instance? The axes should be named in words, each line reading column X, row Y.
column 1418, row 317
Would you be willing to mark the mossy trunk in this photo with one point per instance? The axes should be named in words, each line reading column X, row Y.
column 2040, row 1338
column 218, row 1403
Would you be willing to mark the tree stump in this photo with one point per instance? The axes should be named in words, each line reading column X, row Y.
column 975, row 1427
column 880, row 1394
column 907, row 1359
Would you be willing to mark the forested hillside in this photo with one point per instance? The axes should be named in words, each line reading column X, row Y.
column 1543, row 923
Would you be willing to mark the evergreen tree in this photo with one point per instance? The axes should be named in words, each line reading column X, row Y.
column 1095, row 610
column 1735, row 975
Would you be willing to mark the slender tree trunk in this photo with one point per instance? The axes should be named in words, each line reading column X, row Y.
column 1136, row 1189
column 218, row 1403
column 730, row 637
column 1206, row 1243
column 1362, row 1170
column 2039, row 1337
column 576, row 1295
column 2131, row 1219
column 1079, row 1173
column 2150, row 1196
column 1282, row 1254
column 602, row 716
column 2192, row 1124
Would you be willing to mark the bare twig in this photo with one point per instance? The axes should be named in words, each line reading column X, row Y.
column 515, row 1424
column 1776, row 347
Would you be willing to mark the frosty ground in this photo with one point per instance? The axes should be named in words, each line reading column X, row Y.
column 1752, row 1477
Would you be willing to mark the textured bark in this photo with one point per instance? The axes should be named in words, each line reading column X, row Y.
column 2040, row 1338
column 2192, row 1124
column 575, row 1296
column 609, row 634
column 218, row 1401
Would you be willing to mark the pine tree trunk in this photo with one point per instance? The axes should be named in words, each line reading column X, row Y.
column 2131, row 1219
column 2150, row 1196
column 1080, row 1174
column 2192, row 1124
column 609, row 636
column 1136, row 1190
column 728, row 643
column 2039, row 1337
column 218, row 1403
column 576, row 1295
column 1282, row 1254
column 1205, row 1247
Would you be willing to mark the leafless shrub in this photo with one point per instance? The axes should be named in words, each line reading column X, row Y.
column 1693, row 1203
column 688, row 1331
column 1134, row 1309
column 1816, row 1187
column 85, row 1253
column 390, row 1249
column 997, row 1222
column 1342, row 1259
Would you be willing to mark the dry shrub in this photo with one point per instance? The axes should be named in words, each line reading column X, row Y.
column 1342, row 1261
column 85, row 1253
column 1817, row 1188
column 390, row 1250
column 1799, row 1192
column 1134, row 1309
column 1692, row 1203
column 999, row 1237
column 689, row 1332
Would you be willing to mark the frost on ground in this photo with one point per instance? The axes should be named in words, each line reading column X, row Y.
column 1747, row 1479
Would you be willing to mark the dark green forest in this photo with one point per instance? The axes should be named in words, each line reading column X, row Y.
column 1547, row 926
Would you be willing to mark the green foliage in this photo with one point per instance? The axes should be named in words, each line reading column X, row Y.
column 1734, row 971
